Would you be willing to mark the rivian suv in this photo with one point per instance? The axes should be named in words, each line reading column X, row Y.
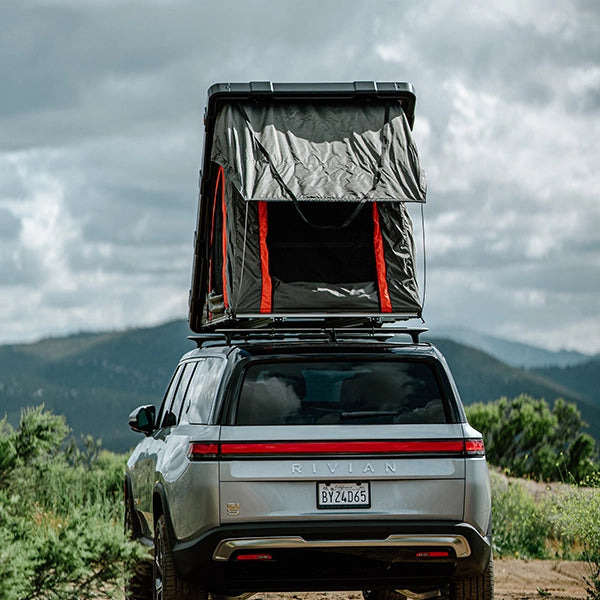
column 326, row 459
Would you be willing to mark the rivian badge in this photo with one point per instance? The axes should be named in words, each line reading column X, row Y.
column 233, row 509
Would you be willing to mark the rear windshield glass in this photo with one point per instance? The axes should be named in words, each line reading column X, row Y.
column 336, row 392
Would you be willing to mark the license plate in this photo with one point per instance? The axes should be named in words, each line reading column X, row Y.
column 344, row 494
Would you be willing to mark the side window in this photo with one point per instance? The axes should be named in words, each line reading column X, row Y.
column 168, row 399
column 171, row 417
column 202, row 390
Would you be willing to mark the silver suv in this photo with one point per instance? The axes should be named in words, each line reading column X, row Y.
column 331, row 459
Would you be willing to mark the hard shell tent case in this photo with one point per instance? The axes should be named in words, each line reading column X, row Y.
column 301, row 213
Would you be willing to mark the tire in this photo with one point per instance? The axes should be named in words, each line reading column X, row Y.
column 441, row 594
column 167, row 585
column 139, row 585
column 476, row 588
column 383, row 595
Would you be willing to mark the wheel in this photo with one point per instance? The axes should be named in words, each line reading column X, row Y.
column 475, row 588
column 139, row 585
column 167, row 585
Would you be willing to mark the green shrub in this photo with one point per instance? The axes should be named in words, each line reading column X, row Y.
column 39, row 435
column 7, row 448
column 576, row 518
column 80, row 556
column 521, row 526
column 61, row 515
column 527, row 439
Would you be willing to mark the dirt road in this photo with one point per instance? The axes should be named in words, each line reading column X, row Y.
column 514, row 580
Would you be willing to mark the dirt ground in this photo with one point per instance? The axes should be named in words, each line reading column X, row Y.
column 525, row 580
column 514, row 580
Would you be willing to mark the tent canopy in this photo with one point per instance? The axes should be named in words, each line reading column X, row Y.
column 335, row 151
column 302, row 209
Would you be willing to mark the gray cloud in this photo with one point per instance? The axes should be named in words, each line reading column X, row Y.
column 9, row 226
column 18, row 267
column 101, row 115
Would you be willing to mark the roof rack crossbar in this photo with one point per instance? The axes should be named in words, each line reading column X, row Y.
column 332, row 334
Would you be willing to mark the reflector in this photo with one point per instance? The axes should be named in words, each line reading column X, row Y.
column 254, row 557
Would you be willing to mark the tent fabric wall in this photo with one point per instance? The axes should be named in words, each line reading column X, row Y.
column 356, row 160
column 249, row 286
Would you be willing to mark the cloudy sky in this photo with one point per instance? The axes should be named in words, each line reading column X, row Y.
column 101, row 139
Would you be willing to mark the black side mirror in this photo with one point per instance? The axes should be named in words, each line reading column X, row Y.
column 142, row 419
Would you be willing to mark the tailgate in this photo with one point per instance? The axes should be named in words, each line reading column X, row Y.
column 334, row 472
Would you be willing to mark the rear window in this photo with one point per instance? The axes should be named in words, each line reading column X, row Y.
column 340, row 393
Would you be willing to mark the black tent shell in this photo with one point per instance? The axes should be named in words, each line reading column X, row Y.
column 301, row 212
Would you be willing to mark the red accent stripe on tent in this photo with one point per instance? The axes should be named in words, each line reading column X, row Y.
column 210, row 245
column 266, row 296
column 221, row 179
column 385, row 303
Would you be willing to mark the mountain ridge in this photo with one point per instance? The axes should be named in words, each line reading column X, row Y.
column 96, row 379
column 514, row 354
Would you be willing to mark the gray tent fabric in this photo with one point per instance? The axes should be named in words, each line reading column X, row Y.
column 399, row 250
column 330, row 152
column 245, row 278
column 305, row 212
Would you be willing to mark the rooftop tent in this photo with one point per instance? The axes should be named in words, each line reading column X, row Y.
column 302, row 204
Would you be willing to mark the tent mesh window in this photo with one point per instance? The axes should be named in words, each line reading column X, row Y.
column 320, row 250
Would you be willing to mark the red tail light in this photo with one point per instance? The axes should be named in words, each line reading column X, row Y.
column 199, row 450
column 474, row 447
column 202, row 451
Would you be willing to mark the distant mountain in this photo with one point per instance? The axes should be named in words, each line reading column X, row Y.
column 97, row 379
column 583, row 379
column 483, row 378
column 515, row 354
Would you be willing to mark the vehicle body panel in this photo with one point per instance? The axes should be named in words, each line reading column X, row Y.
column 252, row 489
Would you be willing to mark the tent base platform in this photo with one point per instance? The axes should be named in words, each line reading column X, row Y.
column 330, row 334
column 295, row 320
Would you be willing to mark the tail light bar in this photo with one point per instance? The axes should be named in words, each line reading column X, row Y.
column 223, row 450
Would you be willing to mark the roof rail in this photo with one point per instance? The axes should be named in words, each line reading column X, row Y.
column 330, row 334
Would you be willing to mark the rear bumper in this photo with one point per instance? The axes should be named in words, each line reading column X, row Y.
column 343, row 555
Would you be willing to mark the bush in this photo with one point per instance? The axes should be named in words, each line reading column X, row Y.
column 61, row 521
column 576, row 519
column 527, row 439
column 563, row 525
column 521, row 526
